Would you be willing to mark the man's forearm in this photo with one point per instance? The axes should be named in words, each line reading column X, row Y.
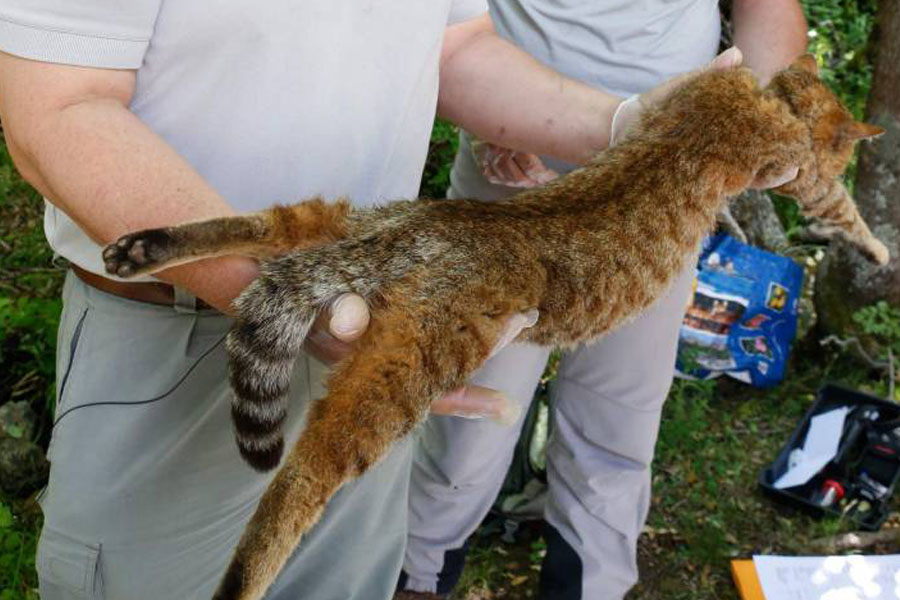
column 111, row 174
column 771, row 34
column 504, row 96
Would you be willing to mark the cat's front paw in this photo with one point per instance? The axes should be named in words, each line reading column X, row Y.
column 138, row 253
column 877, row 252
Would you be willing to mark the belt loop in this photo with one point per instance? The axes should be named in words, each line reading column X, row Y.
column 185, row 302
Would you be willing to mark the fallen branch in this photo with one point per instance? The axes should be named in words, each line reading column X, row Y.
column 857, row 540
column 854, row 344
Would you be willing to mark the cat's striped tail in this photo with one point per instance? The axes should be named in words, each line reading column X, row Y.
column 375, row 397
column 262, row 346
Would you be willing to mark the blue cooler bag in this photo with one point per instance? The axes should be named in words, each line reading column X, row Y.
column 743, row 314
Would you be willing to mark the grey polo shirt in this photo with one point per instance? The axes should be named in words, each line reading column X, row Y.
column 270, row 101
column 621, row 46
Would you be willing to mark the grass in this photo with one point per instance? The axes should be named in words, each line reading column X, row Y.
column 715, row 439
column 29, row 316
column 18, row 543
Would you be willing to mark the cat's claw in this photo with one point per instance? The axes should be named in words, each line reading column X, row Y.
column 136, row 253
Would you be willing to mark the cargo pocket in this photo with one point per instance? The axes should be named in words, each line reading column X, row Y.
column 68, row 569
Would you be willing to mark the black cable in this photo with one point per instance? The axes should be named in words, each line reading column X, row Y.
column 151, row 400
column 73, row 347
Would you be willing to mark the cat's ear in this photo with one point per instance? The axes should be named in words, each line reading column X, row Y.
column 807, row 63
column 856, row 130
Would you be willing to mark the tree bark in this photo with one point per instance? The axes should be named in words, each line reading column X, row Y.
column 755, row 213
column 847, row 281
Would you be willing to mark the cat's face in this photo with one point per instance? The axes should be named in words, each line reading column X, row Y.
column 834, row 130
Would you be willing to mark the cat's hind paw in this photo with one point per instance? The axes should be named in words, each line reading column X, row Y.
column 138, row 253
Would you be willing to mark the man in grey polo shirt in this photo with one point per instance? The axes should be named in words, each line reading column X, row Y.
column 142, row 113
column 607, row 397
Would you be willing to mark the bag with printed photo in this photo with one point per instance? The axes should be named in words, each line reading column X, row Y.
column 742, row 318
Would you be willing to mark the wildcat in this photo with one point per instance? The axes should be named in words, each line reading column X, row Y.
column 589, row 251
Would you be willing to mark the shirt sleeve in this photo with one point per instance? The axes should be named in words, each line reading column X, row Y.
column 463, row 10
column 110, row 34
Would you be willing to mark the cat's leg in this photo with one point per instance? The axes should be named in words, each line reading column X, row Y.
column 838, row 216
column 263, row 234
column 375, row 397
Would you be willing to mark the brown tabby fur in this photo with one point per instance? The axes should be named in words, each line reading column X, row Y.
column 589, row 251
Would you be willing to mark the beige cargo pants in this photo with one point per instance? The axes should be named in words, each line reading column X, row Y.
column 148, row 495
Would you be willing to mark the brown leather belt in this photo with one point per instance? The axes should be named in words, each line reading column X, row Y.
column 154, row 292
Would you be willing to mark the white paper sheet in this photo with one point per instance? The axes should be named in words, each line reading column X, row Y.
column 821, row 445
column 829, row 577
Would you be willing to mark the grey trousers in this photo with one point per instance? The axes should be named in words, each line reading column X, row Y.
column 606, row 403
column 147, row 494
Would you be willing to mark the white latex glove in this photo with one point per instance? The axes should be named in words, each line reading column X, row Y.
column 346, row 319
column 503, row 166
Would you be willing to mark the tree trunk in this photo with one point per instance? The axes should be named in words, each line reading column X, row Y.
column 755, row 213
column 847, row 281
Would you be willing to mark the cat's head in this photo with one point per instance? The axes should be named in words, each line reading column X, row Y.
column 832, row 134
column 834, row 130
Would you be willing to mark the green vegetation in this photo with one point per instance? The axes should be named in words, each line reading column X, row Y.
column 444, row 143
column 27, row 344
column 18, row 542
column 715, row 439
column 881, row 323
column 29, row 317
column 839, row 38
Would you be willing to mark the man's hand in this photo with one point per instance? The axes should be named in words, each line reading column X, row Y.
column 477, row 402
column 342, row 322
column 347, row 318
column 777, row 179
column 503, row 166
